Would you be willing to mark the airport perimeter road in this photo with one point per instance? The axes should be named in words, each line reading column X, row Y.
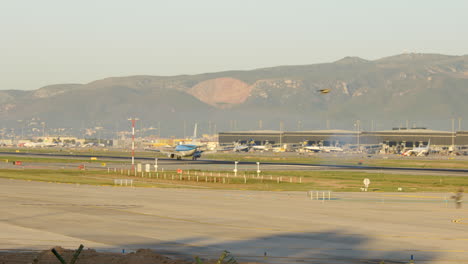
column 286, row 227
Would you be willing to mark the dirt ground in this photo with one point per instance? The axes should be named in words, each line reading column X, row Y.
column 90, row 256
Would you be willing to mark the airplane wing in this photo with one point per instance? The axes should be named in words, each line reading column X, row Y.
column 151, row 149
column 167, row 151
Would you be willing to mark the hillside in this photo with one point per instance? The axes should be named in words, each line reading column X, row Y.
column 426, row 89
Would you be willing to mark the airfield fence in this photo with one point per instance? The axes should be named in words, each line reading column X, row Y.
column 320, row 195
column 205, row 176
column 121, row 182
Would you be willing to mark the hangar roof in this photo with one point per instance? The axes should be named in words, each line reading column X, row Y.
column 255, row 131
column 426, row 131
column 330, row 131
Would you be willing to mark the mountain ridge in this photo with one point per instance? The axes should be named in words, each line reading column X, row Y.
column 422, row 87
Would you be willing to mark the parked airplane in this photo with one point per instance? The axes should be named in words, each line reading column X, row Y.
column 261, row 147
column 311, row 148
column 322, row 149
column 39, row 145
column 331, row 149
column 418, row 151
column 238, row 147
column 265, row 147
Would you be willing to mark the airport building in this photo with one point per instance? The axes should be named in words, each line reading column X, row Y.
column 399, row 136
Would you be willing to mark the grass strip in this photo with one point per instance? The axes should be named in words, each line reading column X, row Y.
column 338, row 181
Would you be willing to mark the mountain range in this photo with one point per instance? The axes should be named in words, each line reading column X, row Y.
column 416, row 89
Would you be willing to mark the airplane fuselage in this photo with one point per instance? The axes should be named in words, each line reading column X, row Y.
column 181, row 151
column 186, row 150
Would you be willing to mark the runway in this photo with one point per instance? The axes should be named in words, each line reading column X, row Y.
column 270, row 227
column 223, row 165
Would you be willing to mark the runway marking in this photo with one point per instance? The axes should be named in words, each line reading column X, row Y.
column 440, row 250
column 40, row 240
column 460, row 221
column 199, row 222
column 272, row 229
column 80, row 205
column 291, row 165
column 115, row 207
column 414, row 196
column 378, row 249
column 420, row 237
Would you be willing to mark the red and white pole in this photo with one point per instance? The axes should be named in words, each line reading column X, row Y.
column 133, row 142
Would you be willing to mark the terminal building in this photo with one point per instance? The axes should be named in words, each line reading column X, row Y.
column 413, row 137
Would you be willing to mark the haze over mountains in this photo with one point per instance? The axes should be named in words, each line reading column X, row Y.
column 425, row 89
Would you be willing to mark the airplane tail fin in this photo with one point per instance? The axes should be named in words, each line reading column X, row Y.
column 195, row 131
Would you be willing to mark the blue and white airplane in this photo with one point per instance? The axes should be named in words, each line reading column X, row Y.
column 185, row 150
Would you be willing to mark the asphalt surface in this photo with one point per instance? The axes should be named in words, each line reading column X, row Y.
column 270, row 227
column 222, row 165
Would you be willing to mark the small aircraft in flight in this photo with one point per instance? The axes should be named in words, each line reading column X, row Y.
column 324, row 91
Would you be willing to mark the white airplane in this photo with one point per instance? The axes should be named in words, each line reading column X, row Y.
column 332, row 149
column 39, row 145
column 260, row 148
column 266, row 147
column 322, row 149
column 418, row 151
column 238, row 147
column 312, row 148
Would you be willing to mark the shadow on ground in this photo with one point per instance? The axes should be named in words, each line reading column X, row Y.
column 323, row 247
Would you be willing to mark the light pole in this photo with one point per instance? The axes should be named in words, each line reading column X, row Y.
column 159, row 129
column 13, row 136
column 258, row 169
column 98, row 129
column 209, row 128
column 235, row 168
column 43, row 129
column 358, row 124
column 453, row 134
column 22, row 128
column 281, row 134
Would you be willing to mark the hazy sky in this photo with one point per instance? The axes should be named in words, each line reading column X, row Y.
column 56, row 41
